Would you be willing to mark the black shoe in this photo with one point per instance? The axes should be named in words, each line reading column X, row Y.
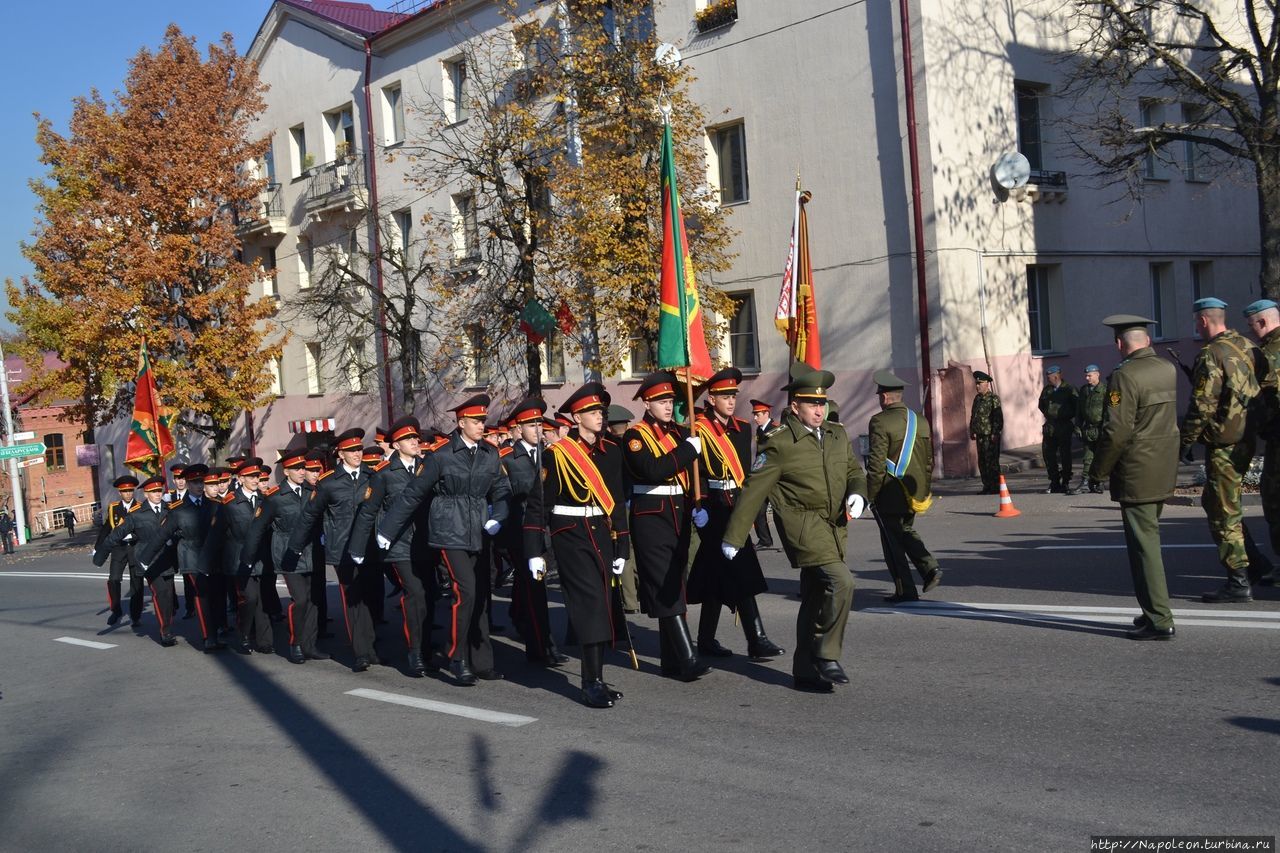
column 615, row 695
column 1150, row 632
column 240, row 648
column 213, row 646
column 551, row 657
column 490, row 675
column 374, row 659
column 188, row 615
column 1139, row 621
column 764, row 649
column 1228, row 595
column 900, row 599
column 265, row 650
column 932, row 580
column 811, row 685
column 316, row 654
column 596, row 695
column 361, row 664
column 296, row 655
column 168, row 640
column 416, row 664
column 114, row 618
column 462, row 674
column 831, row 672
column 712, row 649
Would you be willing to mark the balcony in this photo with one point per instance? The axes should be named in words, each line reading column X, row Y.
column 337, row 187
column 1047, row 186
column 266, row 218
column 717, row 14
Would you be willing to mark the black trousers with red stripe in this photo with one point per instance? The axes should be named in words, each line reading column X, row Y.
column 354, row 586
column 251, row 619
column 301, row 612
column 319, row 586
column 210, row 603
column 529, row 612
column 468, row 621
column 414, row 606
column 122, row 558
column 164, row 600
column 271, row 604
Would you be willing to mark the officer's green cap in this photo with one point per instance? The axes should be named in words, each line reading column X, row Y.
column 620, row 414
column 1207, row 303
column 886, row 381
column 1260, row 305
column 811, row 386
column 1120, row 322
column 979, row 376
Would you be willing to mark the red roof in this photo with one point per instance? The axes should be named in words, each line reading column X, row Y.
column 358, row 17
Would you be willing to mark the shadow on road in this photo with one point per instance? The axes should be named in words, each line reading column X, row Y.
column 1256, row 724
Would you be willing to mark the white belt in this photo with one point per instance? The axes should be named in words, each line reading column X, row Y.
column 723, row 485
column 639, row 489
column 578, row 511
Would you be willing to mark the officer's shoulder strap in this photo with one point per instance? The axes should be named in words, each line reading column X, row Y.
column 271, row 491
column 175, row 504
column 136, row 507
column 228, row 497
column 506, row 451
column 325, row 474
column 383, row 464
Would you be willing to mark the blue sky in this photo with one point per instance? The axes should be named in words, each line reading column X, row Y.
column 58, row 52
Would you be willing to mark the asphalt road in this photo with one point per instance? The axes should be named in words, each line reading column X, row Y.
column 1008, row 713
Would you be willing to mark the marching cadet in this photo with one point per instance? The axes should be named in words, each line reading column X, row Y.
column 284, row 503
column 761, row 416
column 175, row 497
column 808, row 463
column 1226, row 377
column 319, row 571
column 469, row 494
column 1058, row 405
column 241, row 528
column 714, row 580
column 523, row 462
column 337, row 494
column 380, row 438
column 986, row 423
column 1090, row 408
column 620, row 418
column 899, row 475
column 550, row 431
column 659, row 454
column 582, row 503
column 1263, row 317
column 145, row 525
column 406, row 558
column 122, row 553
column 374, row 580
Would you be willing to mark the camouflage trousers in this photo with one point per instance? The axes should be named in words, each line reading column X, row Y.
column 1056, row 449
column 1224, row 469
column 989, row 460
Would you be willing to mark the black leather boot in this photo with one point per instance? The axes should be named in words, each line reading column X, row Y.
column 759, row 646
column 296, row 655
column 1236, row 591
column 594, row 692
column 416, row 665
column 670, row 665
column 690, row 668
column 708, row 622
column 462, row 674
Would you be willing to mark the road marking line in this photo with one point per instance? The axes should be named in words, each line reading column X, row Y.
column 1269, row 620
column 482, row 714
column 1163, row 547
column 77, row 575
column 1079, row 608
column 89, row 644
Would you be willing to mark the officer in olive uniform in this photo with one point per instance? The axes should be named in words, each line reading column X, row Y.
column 713, row 581
column 900, row 471
column 660, row 455
column 986, row 423
column 145, row 525
column 1263, row 317
column 1090, row 408
column 1138, row 451
column 285, row 503
column 1058, row 405
column 1227, row 377
column 122, row 554
column 817, row 482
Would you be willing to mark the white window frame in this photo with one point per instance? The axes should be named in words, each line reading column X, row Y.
column 553, row 354
column 297, row 150
column 1151, row 114
column 277, row 377
column 1195, row 167
column 403, row 223
column 268, row 259
column 314, row 357
column 717, row 139
column 392, row 114
column 745, row 307
column 466, row 226
column 340, row 127
column 454, row 85
column 1023, row 89
column 1048, row 306
column 1163, row 301
column 306, row 264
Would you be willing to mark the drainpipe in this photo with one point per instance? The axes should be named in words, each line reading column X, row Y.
column 922, row 291
column 371, row 177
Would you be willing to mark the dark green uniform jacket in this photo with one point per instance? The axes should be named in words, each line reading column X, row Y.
column 1138, row 448
column 1058, row 405
column 1090, row 408
column 885, row 436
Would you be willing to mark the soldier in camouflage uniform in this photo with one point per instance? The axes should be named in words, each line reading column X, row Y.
column 986, row 422
column 1223, row 389
column 1058, row 405
column 1090, row 408
column 1263, row 317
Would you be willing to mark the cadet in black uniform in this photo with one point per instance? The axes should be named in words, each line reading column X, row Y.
column 122, row 554
column 284, row 503
column 337, row 494
column 469, row 494
column 582, row 503
column 659, row 454
column 174, row 498
column 726, row 459
column 144, row 525
column 241, row 530
column 319, row 570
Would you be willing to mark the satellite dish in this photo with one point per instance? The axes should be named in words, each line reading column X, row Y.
column 667, row 54
column 1011, row 171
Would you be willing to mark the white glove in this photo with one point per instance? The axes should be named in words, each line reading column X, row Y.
column 699, row 518
column 359, row 561
column 383, row 542
column 93, row 553
column 854, row 505
column 145, row 567
column 696, row 441
column 728, row 550
column 537, row 567
column 491, row 527
column 618, row 565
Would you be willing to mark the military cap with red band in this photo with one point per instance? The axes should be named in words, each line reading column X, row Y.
column 289, row 459
column 659, row 385
column 251, row 468
column 315, row 460
column 725, row 382
column 475, row 407
column 371, row 455
column 383, row 433
column 352, row 439
column 178, row 471
column 529, row 410
column 195, row 473
column 760, row 406
column 406, row 427
column 588, row 398
column 217, row 475
column 153, row 484
column 127, row 481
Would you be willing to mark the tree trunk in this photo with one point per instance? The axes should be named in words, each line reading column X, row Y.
column 533, row 361
column 1268, row 171
column 91, row 437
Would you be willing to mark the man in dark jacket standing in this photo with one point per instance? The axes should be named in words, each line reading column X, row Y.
column 1058, row 405
column 469, row 494
column 1138, row 451
column 121, row 554
column 762, row 417
column 241, row 529
column 145, row 525
column 285, row 503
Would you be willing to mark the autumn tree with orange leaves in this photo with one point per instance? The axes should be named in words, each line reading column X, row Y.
column 136, row 237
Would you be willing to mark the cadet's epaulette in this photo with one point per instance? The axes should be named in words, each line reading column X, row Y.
column 607, row 438
column 228, row 497
column 175, row 504
column 135, row 507
column 740, row 422
column 325, row 474
column 438, row 443
column 271, row 491
column 383, row 464
column 506, row 451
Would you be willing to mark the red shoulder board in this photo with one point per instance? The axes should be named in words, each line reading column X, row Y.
column 740, row 422
column 271, row 491
column 439, row 443
column 325, row 474
column 228, row 497
column 506, row 451
column 175, row 504
column 383, row 464
column 135, row 507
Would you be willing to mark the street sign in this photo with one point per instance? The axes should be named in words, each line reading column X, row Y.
column 24, row 436
column 18, row 451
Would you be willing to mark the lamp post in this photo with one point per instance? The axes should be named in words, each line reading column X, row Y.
column 15, row 483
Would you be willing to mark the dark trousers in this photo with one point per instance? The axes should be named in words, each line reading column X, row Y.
column 1055, row 446
column 353, row 586
column 373, row 585
column 164, row 602
column 270, row 595
column 468, row 618
column 188, row 595
column 7, row 538
column 826, row 592
column 414, row 610
column 320, row 589
column 120, row 559
column 301, row 612
column 210, row 607
column 901, row 543
column 1146, row 565
column 763, row 538
column 529, row 612
column 251, row 619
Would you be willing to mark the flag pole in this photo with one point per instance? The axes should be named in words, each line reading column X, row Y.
column 693, row 430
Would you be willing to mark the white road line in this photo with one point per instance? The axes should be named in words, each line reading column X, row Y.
column 482, row 714
column 1121, row 547
column 89, row 644
column 75, row 575
column 1267, row 620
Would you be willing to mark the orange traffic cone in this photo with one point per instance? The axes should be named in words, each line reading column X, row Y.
column 1007, row 509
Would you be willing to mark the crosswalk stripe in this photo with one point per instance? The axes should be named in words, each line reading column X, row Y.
column 482, row 714
column 89, row 644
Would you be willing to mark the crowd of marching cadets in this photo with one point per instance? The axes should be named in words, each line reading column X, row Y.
column 440, row 516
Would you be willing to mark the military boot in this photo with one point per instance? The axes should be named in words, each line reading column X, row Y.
column 759, row 646
column 1235, row 591
column 708, row 622
column 690, row 668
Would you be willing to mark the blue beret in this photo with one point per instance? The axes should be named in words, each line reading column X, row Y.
column 1091, row 368
column 1260, row 305
column 1206, row 303
column 1053, row 368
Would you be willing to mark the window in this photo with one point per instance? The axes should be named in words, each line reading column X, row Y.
column 355, row 366
column 1162, row 301
column 298, row 150
column 306, row 261
column 466, row 230
column 55, row 455
column 643, row 355
column 479, row 368
column 403, row 222
column 1196, row 154
column 277, row 377
column 1044, row 307
column 269, row 272
column 1201, row 279
column 341, row 135
column 553, row 357
column 269, row 164
column 744, row 352
column 314, row 385
column 455, row 89
column 729, row 146
column 392, row 115
column 1149, row 115
column 1028, row 96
